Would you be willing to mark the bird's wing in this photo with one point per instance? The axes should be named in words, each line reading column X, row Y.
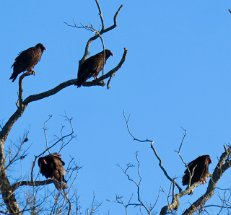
column 24, row 58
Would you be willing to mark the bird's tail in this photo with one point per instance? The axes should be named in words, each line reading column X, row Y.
column 13, row 77
column 82, row 78
column 60, row 185
column 79, row 82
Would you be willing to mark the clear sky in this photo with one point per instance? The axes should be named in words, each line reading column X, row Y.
column 177, row 74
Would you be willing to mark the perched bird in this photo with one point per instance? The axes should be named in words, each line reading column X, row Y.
column 26, row 60
column 92, row 66
column 51, row 166
column 198, row 170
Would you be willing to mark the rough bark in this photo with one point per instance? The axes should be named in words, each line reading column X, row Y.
column 6, row 189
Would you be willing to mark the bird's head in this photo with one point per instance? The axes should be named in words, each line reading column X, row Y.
column 207, row 157
column 41, row 46
column 42, row 161
column 108, row 53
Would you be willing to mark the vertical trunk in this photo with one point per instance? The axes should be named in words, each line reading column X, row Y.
column 5, row 187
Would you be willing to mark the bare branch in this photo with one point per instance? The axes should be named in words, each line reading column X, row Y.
column 151, row 142
column 65, row 84
column 22, row 104
column 100, row 14
column 139, row 202
column 18, row 152
column 68, row 135
column 7, row 190
column 31, row 183
column 101, row 32
column 99, row 80
column 182, row 140
column 221, row 167
column 20, row 91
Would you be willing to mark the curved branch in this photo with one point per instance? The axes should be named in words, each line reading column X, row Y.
column 9, row 124
column 18, row 184
column 50, row 92
column 109, row 74
column 172, row 180
column 47, row 149
column 100, row 14
column 7, row 190
column 175, row 200
column 68, row 83
column 221, row 167
column 101, row 32
column 20, row 90
column 36, row 97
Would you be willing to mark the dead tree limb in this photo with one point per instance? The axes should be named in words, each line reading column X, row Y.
column 7, row 190
column 151, row 142
column 31, row 183
column 101, row 32
column 223, row 164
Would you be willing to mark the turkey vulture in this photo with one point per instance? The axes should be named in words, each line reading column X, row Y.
column 51, row 166
column 92, row 66
column 198, row 170
column 26, row 60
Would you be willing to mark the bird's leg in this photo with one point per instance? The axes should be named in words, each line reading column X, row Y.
column 32, row 72
column 29, row 72
column 203, row 181
column 95, row 77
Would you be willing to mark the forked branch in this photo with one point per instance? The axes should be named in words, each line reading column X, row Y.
column 98, row 33
column 223, row 164
column 151, row 142
column 7, row 190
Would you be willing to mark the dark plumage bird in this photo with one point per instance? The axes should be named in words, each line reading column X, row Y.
column 51, row 166
column 92, row 66
column 26, row 60
column 199, row 170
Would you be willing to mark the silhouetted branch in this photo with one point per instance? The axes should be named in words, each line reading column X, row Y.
column 31, row 183
column 61, row 139
column 7, row 191
column 140, row 203
column 22, row 104
column 223, row 164
column 20, row 90
column 100, row 14
column 101, row 32
column 16, row 152
column 151, row 142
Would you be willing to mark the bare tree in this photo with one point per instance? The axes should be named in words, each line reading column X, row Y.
column 176, row 192
column 61, row 202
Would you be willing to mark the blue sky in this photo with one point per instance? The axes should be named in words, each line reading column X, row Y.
column 177, row 74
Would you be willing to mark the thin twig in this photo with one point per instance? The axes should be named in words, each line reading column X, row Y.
column 151, row 142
